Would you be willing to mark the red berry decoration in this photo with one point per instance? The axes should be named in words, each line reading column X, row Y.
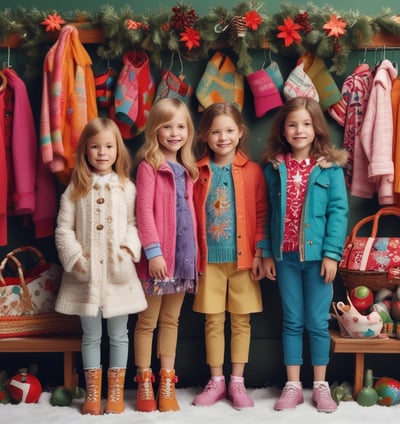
column 362, row 298
column 24, row 387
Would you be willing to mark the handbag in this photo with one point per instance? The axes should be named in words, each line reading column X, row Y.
column 34, row 289
column 372, row 260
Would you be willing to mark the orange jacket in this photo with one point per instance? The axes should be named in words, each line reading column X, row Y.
column 251, row 207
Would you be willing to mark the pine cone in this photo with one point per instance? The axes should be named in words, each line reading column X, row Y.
column 238, row 27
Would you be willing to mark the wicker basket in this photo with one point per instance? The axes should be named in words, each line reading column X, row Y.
column 32, row 321
column 39, row 324
column 375, row 280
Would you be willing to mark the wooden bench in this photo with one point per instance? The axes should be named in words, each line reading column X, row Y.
column 360, row 347
column 67, row 344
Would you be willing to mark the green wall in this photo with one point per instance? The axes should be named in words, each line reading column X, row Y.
column 265, row 366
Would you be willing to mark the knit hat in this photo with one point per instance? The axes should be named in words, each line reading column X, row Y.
column 266, row 95
column 315, row 68
column 173, row 86
column 298, row 84
column 134, row 94
column 275, row 73
column 220, row 83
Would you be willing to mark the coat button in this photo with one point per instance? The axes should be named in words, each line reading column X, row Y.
column 100, row 227
column 100, row 201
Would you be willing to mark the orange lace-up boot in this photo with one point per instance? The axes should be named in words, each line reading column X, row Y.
column 92, row 404
column 145, row 401
column 115, row 391
column 166, row 391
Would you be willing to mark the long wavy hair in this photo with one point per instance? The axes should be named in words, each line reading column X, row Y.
column 206, row 122
column 321, row 147
column 82, row 174
column 162, row 112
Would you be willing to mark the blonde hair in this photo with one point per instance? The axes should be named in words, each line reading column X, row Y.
column 277, row 143
column 82, row 174
column 206, row 121
column 161, row 112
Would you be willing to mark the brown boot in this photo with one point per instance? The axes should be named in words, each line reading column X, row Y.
column 115, row 391
column 145, row 401
column 92, row 403
column 166, row 392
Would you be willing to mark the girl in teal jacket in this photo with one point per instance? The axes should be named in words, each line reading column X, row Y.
column 306, row 231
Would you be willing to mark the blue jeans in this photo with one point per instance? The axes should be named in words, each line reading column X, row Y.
column 306, row 300
column 117, row 329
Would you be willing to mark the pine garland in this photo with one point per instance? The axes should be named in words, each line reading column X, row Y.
column 163, row 32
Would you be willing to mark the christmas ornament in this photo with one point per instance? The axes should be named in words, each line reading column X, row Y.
column 238, row 27
column 367, row 396
column 362, row 298
column 388, row 390
column 61, row 396
column 24, row 387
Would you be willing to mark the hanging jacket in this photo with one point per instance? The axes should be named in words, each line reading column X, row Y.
column 373, row 163
column 68, row 101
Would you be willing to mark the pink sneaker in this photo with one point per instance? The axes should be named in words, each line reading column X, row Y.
column 321, row 396
column 212, row 393
column 238, row 395
column 291, row 396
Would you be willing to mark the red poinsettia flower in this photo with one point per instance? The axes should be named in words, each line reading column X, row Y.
column 53, row 22
column 253, row 19
column 289, row 32
column 133, row 25
column 335, row 27
column 191, row 37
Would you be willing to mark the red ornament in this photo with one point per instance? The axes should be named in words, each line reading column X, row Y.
column 24, row 387
column 362, row 298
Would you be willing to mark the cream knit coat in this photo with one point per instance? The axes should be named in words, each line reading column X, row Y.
column 92, row 231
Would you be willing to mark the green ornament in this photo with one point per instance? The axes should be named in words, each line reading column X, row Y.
column 61, row 397
column 367, row 396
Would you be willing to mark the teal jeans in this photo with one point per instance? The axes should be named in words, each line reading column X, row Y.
column 306, row 300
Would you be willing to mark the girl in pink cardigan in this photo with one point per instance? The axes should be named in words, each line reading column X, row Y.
column 167, row 229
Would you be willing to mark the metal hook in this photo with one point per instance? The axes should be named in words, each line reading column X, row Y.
column 265, row 57
column 180, row 60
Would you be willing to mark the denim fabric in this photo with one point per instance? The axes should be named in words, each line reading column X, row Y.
column 117, row 329
column 306, row 300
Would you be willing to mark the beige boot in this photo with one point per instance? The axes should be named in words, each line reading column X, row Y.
column 166, row 391
column 145, row 401
column 115, row 391
column 92, row 403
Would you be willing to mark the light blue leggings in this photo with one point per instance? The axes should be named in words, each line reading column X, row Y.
column 306, row 300
column 117, row 329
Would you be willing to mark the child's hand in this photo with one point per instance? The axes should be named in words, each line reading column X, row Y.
column 257, row 271
column 269, row 268
column 328, row 269
column 158, row 268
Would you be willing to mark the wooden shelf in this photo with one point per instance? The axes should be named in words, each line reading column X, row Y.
column 94, row 35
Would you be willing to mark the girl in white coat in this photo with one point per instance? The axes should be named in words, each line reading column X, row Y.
column 97, row 242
